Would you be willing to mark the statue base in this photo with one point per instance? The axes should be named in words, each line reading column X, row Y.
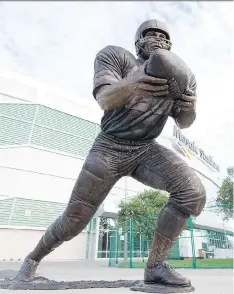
column 42, row 283
column 8, row 281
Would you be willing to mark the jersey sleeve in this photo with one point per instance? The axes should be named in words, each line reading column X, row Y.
column 107, row 68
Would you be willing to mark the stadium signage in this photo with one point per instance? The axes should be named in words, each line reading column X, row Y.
column 196, row 150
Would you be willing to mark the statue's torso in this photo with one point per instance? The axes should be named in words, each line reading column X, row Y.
column 143, row 118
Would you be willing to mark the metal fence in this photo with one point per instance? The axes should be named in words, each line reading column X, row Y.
column 206, row 242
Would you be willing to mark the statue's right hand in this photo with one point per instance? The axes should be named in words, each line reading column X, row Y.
column 144, row 85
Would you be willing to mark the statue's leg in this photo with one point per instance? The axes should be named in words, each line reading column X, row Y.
column 97, row 177
column 163, row 169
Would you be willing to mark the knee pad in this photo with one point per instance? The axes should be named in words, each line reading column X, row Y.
column 199, row 201
column 193, row 200
column 74, row 219
column 77, row 216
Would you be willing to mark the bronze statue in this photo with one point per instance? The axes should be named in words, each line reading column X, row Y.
column 137, row 96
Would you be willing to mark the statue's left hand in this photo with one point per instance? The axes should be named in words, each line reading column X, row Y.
column 187, row 102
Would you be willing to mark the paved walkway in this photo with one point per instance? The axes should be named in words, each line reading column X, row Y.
column 217, row 281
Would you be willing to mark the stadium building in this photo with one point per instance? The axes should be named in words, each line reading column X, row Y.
column 44, row 138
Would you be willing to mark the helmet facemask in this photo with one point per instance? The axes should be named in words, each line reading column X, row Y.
column 151, row 40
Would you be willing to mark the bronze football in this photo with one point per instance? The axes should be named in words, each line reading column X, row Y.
column 167, row 65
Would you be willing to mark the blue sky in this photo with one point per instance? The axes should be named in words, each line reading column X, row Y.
column 57, row 42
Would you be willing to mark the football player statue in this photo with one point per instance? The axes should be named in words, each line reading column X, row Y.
column 137, row 96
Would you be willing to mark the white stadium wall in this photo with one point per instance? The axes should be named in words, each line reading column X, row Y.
column 32, row 167
column 33, row 173
column 38, row 174
column 37, row 171
column 28, row 238
column 18, row 88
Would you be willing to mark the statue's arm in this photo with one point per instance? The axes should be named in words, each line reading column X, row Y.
column 113, row 95
column 111, row 89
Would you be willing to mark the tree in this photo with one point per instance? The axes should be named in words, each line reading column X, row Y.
column 225, row 195
column 142, row 209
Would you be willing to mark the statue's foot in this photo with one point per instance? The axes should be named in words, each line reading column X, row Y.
column 163, row 279
column 27, row 271
column 164, row 274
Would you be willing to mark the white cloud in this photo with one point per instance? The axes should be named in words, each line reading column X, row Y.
column 57, row 42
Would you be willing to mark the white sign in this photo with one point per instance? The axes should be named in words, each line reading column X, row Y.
column 195, row 149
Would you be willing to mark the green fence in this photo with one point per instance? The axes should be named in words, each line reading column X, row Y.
column 206, row 242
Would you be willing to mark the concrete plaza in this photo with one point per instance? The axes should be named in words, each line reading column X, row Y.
column 215, row 281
